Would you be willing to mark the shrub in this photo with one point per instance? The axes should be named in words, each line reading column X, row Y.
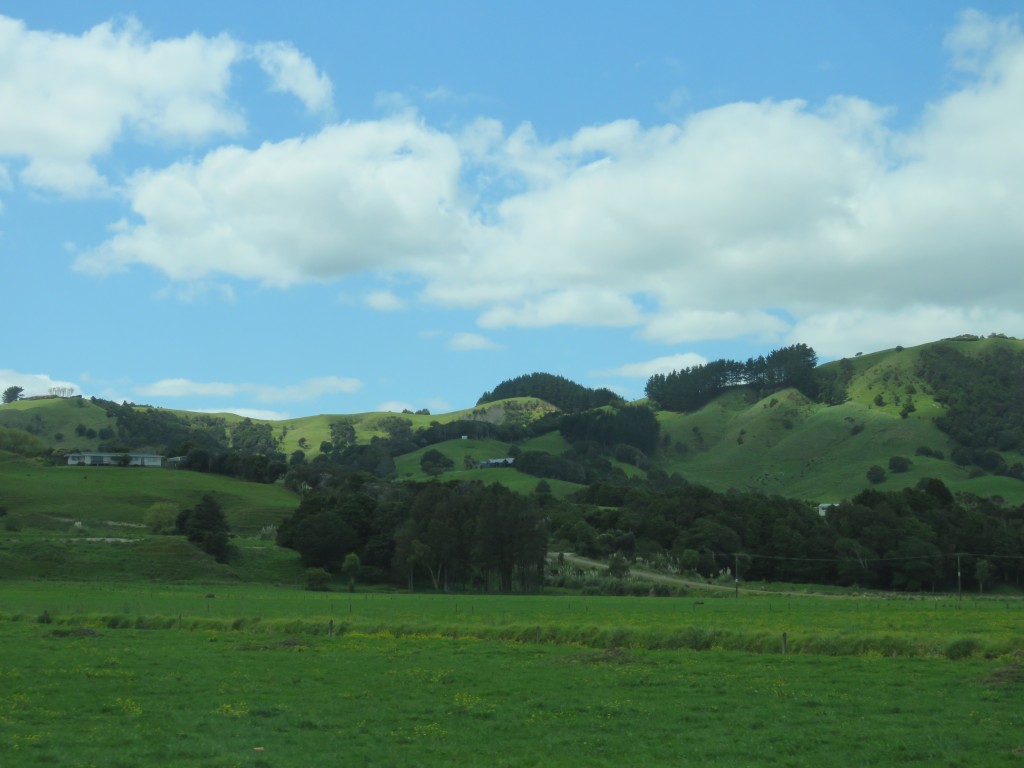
column 876, row 474
column 318, row 580
column 162, row 517
column 962, row 648
column 899, row 464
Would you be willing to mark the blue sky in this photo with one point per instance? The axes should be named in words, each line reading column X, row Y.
column 289, row 209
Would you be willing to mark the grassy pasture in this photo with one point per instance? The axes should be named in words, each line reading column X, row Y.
column 43, row 496
column 905, row 627
column 108, row 554
column 223, row 690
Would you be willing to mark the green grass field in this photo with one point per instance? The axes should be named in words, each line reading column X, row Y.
column 248, row 676
column 906, row 627
column 55, row 497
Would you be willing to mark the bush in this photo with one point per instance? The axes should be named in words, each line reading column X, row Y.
column 876, row 474
column 899, row 464
column 963, row 648
column 162, row 517
column 318, row 580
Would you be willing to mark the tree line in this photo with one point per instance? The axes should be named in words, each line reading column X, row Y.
column 692, row 388
column 445, row 535
column 984, row 403
column 905, row 540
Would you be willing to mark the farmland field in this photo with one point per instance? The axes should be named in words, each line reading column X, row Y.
column 140, row 675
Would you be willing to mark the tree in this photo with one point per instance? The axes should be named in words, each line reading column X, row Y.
column 342, row 434
column 13, row 394
column 206, row 527
column 899, row 463
column 321, row 537
column 689, row 560
column 351, row 568
column 433, row 462
column 876, row 474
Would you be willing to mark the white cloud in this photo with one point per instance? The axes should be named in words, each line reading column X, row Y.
column 676, row 326
column 845, row 332
column 259, row 414
column 648, row 368
column 439, row 405
column 359, row 196
column 67, row 99
column 750, row 219
column 197, row 290
column 578, row 307
column 472, row 341
column 294, row 73
column 33, row 383
column 384, row 301
column 978, row 41
column 188, row 388
column 307, row 390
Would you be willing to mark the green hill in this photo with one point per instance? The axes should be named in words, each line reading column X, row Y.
column 786, row 444
column 91, row 522
column 869, row 409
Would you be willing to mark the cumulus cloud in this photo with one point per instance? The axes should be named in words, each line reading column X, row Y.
column 355, row 197
column 847, row 331
column 67, row 99
column 33, row 383
column 682, row 325
column 646, row 369
column 384, row 301
column 307, row 390
column 294, row 73
column 754, row 219
column 570, row 306
column 472, row 341
column 188, row 388
column 260, row 414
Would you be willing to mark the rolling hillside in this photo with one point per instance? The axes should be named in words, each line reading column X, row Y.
column 780, row 443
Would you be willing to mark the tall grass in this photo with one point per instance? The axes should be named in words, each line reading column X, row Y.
column 812, row 626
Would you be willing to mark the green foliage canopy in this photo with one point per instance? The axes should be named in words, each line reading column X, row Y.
column 562, row 393
column 691, row 388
